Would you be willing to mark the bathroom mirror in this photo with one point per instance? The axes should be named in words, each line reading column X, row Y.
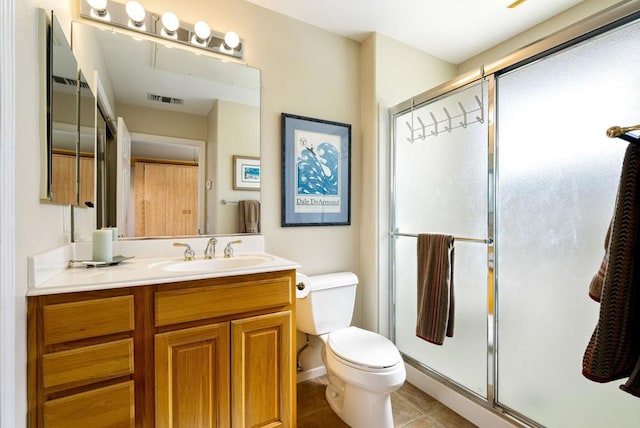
column 179, row 117
column 86, row 143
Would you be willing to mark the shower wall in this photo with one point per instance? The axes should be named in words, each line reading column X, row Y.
column 555, row 185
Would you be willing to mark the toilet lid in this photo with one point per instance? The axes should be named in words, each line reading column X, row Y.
column 363, row 347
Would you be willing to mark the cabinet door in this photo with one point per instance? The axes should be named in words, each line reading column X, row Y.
column 192, row 377
column 263, row 385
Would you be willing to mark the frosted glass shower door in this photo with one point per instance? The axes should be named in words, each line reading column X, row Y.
column 557, row 181
column 441, row 187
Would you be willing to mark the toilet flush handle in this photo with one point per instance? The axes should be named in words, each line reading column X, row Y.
column 300, row 286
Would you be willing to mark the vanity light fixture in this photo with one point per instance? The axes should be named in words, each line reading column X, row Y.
column 132, row 15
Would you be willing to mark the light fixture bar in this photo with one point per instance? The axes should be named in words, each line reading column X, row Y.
column 116, row 14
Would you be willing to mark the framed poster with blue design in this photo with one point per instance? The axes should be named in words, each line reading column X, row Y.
column 316, row 172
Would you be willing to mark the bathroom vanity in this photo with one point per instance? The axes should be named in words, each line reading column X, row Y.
column 178, row 349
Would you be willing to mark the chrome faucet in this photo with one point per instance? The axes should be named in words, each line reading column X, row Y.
column 189, row 254
column 210, row 251
column 228, row 250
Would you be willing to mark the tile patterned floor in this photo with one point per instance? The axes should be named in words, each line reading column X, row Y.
column 412, row 408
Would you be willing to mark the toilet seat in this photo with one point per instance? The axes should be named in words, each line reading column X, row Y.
column 363, row 349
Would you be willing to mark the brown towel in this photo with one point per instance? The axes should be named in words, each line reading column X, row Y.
column 595, row 288
column 614, row 349
column 435, row 287
column 249, row 216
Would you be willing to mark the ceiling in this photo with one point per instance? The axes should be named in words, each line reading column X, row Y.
column 452, row 30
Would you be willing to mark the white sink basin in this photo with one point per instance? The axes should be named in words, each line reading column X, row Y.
column 216, row 265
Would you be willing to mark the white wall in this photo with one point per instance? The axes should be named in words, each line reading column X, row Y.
column 238, row 133
column 39, row 226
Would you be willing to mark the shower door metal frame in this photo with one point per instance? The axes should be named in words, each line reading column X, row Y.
column 610, row 18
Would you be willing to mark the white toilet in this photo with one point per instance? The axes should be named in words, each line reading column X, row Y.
column 363, row 367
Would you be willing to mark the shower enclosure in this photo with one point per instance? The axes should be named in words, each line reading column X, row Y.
column 515, row 164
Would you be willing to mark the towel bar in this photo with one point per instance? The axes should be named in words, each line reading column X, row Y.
column 623, row 133
column 456, row 238
column 225, row 202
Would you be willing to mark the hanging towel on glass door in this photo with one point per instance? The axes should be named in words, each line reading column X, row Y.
column 435, row 287
column 614, row 349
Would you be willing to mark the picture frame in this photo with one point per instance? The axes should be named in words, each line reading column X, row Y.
column 316, row 172
column 246, row 172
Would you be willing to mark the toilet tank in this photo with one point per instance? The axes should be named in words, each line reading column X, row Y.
column 329, row 304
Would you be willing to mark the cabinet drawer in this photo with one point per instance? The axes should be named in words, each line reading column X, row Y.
column 88, row 364
column 65, row 322
column 111, row 406
column 191, row 304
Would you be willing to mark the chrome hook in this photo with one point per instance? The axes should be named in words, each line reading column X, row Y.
column 435, row 125
column 464, row 115
column 447, row 128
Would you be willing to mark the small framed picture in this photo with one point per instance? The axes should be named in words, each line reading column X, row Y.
column 316, row 172
column 246, row 173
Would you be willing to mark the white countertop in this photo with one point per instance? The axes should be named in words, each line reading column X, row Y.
column 50, row 272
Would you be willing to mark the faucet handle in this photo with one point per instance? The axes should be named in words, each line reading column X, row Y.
column 189, row 254
column 228, row 250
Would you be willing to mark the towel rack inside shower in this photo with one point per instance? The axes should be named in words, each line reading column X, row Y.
column 456, row 238
column 624, row 133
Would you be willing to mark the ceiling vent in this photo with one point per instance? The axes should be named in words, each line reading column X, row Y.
column 69, row 82
column 165, row 100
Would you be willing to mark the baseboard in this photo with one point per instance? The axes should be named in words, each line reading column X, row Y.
column 311, row 374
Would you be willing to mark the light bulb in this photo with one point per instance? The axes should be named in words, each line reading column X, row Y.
column 136, row 13
column 100, row 6
column 202, row 31
column 170, row 23
column 231, row 40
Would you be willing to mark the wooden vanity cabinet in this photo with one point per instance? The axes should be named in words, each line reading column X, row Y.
column 225, row 352
column 81, row 359
column 215, row 352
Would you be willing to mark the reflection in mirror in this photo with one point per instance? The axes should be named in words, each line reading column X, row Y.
column 63, row 84
column 86, row 143
column 183, row 116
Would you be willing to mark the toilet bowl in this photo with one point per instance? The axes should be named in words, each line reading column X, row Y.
column 363, row 367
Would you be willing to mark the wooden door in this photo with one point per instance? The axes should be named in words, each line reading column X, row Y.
column 151, row 199
column 166, row 199
column 192, row 377
column 63, row 179
column 87, row 181
column 263, row 390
